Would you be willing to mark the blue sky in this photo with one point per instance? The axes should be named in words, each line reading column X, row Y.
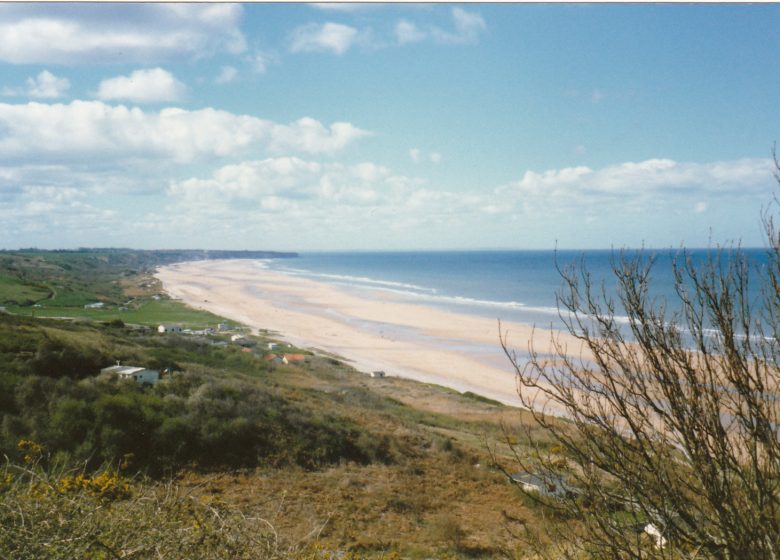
column 386, row 127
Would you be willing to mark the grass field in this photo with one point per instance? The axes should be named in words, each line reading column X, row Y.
column 13, row 290
column 141, row 312
column 61, row 284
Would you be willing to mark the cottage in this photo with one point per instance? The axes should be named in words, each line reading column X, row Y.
column 163, row 329
column 377, row 374
column 552, row 486
column 140, row 375
column 223, row 327
column 656, row 534
column 96, row 305
column 652, row 530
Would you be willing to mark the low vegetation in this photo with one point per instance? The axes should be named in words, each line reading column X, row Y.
column 232, row 455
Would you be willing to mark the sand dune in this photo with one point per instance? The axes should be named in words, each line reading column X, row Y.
column 370, row 330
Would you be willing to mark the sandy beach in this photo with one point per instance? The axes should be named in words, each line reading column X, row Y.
column 370, row 331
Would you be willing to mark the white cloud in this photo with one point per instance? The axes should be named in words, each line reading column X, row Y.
column 251, row 180
column 260, row 61
column 346, row 7
column 700, row 207
column 94, row 131
column 347, row 203
column 417, row 156
column 468, row 26
column 142, row 86
column 328, row 37
column 286, row 183
column 407, row 32
column 71, row 33
column 311, row 136
column 659, row 180
column 47, row 85
column 226, row 75
column 36, row 213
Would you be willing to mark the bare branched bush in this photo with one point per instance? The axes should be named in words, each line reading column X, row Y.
column 670, row 448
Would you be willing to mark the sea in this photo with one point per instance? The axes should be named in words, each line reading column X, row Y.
column 519, row 286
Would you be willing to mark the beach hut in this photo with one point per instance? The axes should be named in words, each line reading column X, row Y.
column 377, row 374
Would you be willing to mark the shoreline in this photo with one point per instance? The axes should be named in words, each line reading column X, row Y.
column 455, row 350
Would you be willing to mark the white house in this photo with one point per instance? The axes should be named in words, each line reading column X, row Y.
column 162, row 329
column 96, row 305
column 552, row 486
column 656, row 534
column 377, row 374
column 140, row 375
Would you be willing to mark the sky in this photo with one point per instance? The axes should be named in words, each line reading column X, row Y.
column 341, row 127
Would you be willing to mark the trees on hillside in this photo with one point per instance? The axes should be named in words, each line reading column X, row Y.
column 673, row 418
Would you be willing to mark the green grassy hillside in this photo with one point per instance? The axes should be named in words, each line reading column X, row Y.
column 233, row 456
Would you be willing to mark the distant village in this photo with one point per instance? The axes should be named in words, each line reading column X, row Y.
column 238, row 335
column 233, row 335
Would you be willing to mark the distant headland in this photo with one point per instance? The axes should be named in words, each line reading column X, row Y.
column 167, row 256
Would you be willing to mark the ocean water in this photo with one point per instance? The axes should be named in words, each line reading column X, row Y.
column 516, row 286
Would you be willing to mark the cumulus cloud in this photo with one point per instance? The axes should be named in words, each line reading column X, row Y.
column 311, row 136
column 226, row 75
column 343, row 6
column 142, row 86
column 283, row 182
column 640, row 181
column 467, row 28
column 407, row 32
column 417, row 156
column 259, row 61
column 35, row 212
column 327, row 37
column 345, row 204
column 117, row 33
column 85, row 130
column 47, row 85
